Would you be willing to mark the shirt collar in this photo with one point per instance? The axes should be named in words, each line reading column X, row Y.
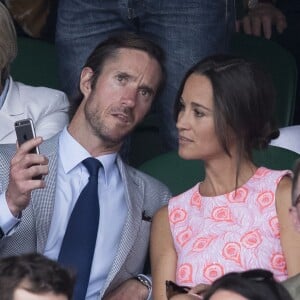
column 4, row 92
column 71, row 154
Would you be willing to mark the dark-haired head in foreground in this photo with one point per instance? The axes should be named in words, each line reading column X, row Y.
column 256, row 284
column 249, row 285
column 33, row 276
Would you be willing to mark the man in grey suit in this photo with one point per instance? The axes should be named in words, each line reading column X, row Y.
column 293, row 284
column 118, row 84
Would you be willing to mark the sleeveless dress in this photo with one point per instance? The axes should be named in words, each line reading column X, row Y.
column 237, row 231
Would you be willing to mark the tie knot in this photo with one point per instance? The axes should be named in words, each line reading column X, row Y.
column 92, row 165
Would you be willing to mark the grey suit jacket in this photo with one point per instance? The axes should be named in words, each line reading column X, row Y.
column 293, row 286
column 143, row 194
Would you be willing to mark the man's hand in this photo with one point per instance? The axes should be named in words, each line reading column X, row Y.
column 261, row 19
column 23, row 167
column 130, row 289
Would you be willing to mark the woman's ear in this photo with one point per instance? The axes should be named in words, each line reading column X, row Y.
column 85, row 81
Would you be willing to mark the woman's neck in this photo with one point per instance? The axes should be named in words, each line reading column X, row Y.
column 223, row 176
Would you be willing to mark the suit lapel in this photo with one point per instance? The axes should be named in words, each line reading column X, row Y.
column 134, row 191
column 7, row 124
column 43, row 199
column 12, row 110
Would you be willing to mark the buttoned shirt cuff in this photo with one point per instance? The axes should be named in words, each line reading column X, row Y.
column 7, row 220
column 149, row 279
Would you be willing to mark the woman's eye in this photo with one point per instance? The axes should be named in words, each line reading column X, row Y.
column 199, row 114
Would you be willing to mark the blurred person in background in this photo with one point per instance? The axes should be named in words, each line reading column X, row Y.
column 48, row 108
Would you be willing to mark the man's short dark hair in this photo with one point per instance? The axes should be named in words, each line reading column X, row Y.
column 39, row 274
column 109, row 49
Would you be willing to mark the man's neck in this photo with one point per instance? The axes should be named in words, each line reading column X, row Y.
column 94, row 145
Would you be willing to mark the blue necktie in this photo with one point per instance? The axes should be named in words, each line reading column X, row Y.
column 78, row 245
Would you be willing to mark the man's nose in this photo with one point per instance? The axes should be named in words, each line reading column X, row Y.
column 129, row 97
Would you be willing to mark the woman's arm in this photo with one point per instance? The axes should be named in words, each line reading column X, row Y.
column 162, row 254
column 289, row 237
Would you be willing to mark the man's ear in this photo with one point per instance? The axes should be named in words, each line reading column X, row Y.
column 85, row 81
column 295, row 218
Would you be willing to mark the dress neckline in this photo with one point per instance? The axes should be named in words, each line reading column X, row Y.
column 255, row 174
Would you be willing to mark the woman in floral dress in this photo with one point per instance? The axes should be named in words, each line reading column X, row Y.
column 237, row 218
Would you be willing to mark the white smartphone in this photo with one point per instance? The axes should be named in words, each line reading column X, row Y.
column 25, row 131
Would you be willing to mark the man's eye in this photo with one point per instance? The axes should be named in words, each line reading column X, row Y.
column 145, row 93
column 121, row 77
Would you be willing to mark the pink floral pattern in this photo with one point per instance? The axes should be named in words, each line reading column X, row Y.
column 274, row 225
column 232, row 232
column 238, row 196
column 177, row 215
column 232, row 251
column 184, row 236
column 278, row 262
column 201, row 243
column 196, row 200
column 185, row 273
column 213, row 271
column 251, row 239
column 265, row 199
column 221, row 213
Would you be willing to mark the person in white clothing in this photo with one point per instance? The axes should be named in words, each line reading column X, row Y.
column 48, row 108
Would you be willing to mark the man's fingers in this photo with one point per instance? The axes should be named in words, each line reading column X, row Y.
column 281, row 24
column 256, row 26
column 26, row 161
column 261, row 19
column 27, row 146
column 267, row 27
column 38, row 170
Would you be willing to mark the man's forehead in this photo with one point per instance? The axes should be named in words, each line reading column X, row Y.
column 129, row 61
column 123, row 54
column 130, row 52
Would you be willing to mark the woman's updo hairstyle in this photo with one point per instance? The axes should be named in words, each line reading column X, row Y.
column 244, row 99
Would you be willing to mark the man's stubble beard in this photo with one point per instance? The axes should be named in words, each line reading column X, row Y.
column 99, row 128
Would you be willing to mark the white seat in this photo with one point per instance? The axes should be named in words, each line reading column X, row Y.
column 289, row 138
